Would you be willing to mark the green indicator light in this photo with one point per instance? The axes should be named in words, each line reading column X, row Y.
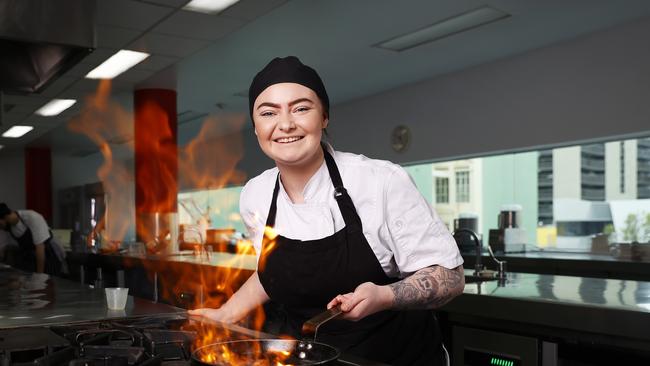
column 492, row 361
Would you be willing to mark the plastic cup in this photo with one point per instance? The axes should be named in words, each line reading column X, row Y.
column 116, row 297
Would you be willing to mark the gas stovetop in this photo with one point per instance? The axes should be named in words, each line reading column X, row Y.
column 157, row 340
column 146, row 341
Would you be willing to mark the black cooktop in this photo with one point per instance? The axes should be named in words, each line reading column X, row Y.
column 147, row 341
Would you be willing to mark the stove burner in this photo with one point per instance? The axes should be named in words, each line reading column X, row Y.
column 112, row 355
column 113, row 337
column 169, row 344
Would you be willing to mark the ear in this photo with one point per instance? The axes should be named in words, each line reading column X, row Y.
column 326, row 122
column 255, row 130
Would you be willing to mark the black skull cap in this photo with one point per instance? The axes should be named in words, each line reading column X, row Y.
column 287, row 70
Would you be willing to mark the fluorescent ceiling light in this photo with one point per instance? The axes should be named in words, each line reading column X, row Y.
column 117, row 64
column 17, row 131
column 55, row 106
column 445, row 28
column 209, row 6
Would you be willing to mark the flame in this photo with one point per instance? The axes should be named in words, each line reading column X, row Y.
column 207, row 162
column 268, row 244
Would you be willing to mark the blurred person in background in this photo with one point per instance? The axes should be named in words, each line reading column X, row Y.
column 37, row 250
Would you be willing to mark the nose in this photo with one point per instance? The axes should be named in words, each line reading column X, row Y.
column 286, row 122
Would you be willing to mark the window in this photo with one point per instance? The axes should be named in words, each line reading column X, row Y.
column 211, row 209
column 622, row 163
column 462, row 186
column 442, row 190
column 567, row 195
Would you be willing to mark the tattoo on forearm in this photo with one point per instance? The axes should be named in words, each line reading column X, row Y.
column 428, row 288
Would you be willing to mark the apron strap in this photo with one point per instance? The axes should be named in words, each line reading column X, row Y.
column 348, row 211
column 270, row 218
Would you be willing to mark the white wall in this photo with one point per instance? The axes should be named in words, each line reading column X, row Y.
column 588, row 88
column 12, row 178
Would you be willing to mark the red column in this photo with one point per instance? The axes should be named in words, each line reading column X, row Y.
column 156, row 164
column 38, row 181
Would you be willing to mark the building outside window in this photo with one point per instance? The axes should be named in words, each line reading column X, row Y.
column 462, row 186
column 442, row 190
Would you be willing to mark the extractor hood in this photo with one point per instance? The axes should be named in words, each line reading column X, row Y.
column 41, row 39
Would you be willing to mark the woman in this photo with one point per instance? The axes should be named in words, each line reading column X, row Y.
column 353, row 232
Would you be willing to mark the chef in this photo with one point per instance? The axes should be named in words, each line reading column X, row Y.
column 352, row 232
column 38, row 252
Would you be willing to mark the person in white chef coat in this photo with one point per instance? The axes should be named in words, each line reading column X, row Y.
column 352, row 232
column 37, row 250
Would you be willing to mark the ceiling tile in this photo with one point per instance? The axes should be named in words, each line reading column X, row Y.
column 167, row 45
column 20, row 100
column 133, row 76
column 251, row 9
column 130, row 14
column 84, row 85
column 157, row 62
column 115, row 37
column 197, row 25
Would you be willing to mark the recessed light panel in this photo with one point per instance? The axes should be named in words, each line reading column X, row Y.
column 17, row 131
column 55, row 107
column 117, row 64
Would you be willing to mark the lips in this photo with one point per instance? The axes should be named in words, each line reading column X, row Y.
column 288, row 140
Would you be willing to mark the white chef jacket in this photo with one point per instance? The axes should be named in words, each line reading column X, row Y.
column 35, row 222
column 403, row 230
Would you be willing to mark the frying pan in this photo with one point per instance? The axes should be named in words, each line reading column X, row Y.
column 273, row 351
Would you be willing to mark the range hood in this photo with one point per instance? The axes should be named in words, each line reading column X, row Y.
column 41, row 39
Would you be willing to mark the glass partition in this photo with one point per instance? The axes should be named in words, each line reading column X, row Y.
column 581, row 198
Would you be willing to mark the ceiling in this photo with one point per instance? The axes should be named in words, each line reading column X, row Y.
column 210, row 59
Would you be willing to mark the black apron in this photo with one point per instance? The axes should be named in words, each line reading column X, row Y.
column 27, row 250
column 301, row 277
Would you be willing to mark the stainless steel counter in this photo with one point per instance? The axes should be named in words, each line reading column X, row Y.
column 619, row 309
column 36, row 299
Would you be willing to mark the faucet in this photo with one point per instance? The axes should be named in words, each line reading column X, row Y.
column 478, row 267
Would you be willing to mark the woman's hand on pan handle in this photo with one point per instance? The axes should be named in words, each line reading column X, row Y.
column 366, row 299
column 428, row 288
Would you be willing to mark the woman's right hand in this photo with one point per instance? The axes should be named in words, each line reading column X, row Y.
column 219, row 314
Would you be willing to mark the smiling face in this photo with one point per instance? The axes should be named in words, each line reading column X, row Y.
column 289, row 122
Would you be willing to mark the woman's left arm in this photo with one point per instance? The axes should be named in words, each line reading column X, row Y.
column 428, row 288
